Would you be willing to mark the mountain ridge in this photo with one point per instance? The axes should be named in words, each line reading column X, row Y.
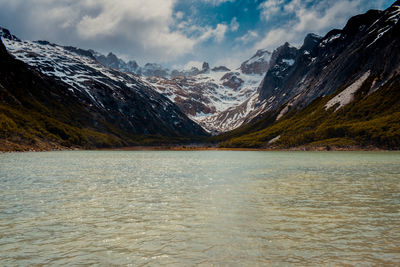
column 45, row 112
column 323, row 92
column 338, row 82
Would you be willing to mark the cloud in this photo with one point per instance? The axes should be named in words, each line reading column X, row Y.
column 270, row 8
column 193, row 63
column 306, row 17
column 171, row 31
column 179, row 15
column 217, row 2
column 234, row 24
column 135, row 28
column 209, row 33
column 247, row 37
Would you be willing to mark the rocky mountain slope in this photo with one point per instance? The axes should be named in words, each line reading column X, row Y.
column 343, row 86
column 76, row 92
column 217, row 98
column 203, row 97
column 212, row 97
column 290, row 97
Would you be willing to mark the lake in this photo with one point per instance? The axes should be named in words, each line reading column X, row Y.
column 185, row 208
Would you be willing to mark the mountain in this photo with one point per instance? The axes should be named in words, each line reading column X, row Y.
column 217, row 98
column 61, row 98
column 342, row 89
column 114, row 62
column 257, row 64
column 205, row 94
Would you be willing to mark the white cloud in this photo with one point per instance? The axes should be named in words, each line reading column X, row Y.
column 217, row 2
column 191, row 64
column 145, row 30
column 218, row 33
column 143, row 22
column 248, row 37
column 234, row 24
column 179, row 15
column 139, row 28
column 270, row 8
column 319, row 18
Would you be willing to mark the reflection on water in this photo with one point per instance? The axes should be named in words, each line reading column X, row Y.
column 210, row 208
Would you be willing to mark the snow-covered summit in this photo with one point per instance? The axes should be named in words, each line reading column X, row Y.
column 127, row 98
column 204, row 95
column 257, row 64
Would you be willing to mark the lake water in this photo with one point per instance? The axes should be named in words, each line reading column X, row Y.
column 200, row 208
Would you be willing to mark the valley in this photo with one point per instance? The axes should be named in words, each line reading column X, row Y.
column 340, row 90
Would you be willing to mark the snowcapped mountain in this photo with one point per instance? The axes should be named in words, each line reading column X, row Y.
column 369, row 43
column 341, row 89
column 114, row 62
column 220, row 99
column 202, row 94
column 203, row 97
column 217, row 98
column 257, row 64
column 124, row 99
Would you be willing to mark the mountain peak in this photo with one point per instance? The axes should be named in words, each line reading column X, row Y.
column 5, row 33
column 220, row 69
column 261, row 52
column 310, row 41
column 257, row 64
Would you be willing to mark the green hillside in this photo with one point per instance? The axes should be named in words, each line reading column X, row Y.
column 371, row 119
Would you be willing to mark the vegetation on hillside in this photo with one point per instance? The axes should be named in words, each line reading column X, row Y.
column 371, row 119
column 40, row 113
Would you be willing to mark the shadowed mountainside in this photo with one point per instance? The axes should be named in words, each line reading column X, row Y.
column 37, row 111
column 340, row 90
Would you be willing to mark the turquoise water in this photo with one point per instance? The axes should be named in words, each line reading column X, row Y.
column 200, row 208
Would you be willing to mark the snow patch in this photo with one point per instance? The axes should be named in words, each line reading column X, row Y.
column 337, row 36
column 290, row 62
column 263, row 58
column 274, row 140
column 347, row 95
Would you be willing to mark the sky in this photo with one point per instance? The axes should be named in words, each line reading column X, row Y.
column 179, row 33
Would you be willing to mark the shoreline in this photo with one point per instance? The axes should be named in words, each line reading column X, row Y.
column 205, row 148
column 6, row 148
column 195, row 148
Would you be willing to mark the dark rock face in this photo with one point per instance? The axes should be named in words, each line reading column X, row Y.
column 282, row 61
column 232, row 80
column 205, row 68
column 258, row 64
column 110, row 60
column 3, row 50
column 132, row 66
column 220, row 69
column 310, row 42
column 368, row 43
column 6, row 34
column 79, row 51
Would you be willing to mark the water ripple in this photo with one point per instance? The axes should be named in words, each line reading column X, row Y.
column 200, row 208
